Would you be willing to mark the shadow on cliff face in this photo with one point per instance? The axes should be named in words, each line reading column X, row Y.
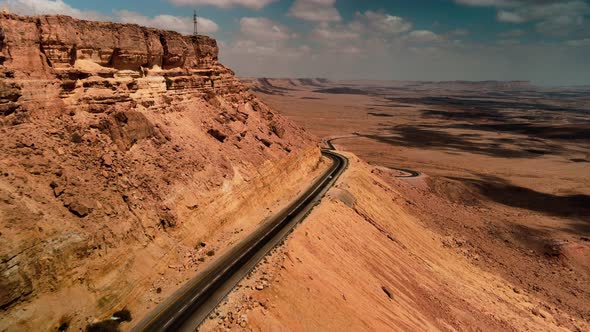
column 310, row 82
column 267, row 91
column 420, row 137
column 265, row 86
column 576, row 206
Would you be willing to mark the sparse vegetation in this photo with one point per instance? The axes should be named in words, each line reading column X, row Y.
column 123, row 315
column 111, row 324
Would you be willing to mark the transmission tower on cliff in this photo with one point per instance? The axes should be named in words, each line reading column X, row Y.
column 195, row 21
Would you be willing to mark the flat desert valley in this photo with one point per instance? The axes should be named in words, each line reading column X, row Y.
column 505, row 168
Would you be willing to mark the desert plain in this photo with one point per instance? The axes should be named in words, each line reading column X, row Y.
column 504, row 186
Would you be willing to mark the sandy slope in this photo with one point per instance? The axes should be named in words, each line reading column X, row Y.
column 506, row 171
column 371, row 265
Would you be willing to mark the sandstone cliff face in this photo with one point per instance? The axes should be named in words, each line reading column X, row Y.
column 87, row 56
column 115, row 141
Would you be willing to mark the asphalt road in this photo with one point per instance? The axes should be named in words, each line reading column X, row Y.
column 186, row 309
column 410, row 173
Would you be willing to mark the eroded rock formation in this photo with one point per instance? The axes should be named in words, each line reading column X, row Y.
column 116, row 142
column 90, row 57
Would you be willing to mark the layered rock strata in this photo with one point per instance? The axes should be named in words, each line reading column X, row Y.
column 116, row 140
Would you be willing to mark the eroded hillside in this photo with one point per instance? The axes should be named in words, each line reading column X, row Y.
column 368, row 259
column 503, row 201
column 130, row 156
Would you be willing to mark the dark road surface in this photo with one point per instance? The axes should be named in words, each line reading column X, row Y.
column 186, row 309
column 410, row 173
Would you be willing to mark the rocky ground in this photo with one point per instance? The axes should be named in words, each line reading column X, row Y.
column 504, row 188
column 357, row 265
column 130, row 158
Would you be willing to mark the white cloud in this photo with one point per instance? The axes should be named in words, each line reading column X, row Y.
column 326, row 33
column 552, row 17
column 252, row 48
column 260, row 36
column 315, row 10
column 167, row 22
column 252, row 4
column 375, row 32
column 578, row 42
column 384, row 23
column 263, row 30
column 560, row 25
column 263, row 46
column 49, row 7
column 369, row 32
column 552, row 9
column 423, row 36
column 545, row 11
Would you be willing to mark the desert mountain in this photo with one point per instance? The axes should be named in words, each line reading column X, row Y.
column 127, row 153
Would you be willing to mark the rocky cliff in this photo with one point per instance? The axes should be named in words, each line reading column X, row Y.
column 95, row 65
column 118, row 144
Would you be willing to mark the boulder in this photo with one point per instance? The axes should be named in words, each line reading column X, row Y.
column 218, row 135
column 79, row 207
column 13, row 285
column 277, row 129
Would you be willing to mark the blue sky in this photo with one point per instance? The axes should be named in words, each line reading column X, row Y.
column 545, row 41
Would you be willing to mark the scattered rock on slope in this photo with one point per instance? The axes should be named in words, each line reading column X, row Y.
column 122, row 113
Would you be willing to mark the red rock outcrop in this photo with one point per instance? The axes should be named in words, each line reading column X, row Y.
column 116, row 139
column 85, row 56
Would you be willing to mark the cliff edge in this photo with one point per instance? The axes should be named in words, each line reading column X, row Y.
column 130, row 155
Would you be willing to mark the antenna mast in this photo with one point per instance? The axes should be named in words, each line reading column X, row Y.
column 195, row 21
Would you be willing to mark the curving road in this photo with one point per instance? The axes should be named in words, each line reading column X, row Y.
column 410, row 173
column 186, row 309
